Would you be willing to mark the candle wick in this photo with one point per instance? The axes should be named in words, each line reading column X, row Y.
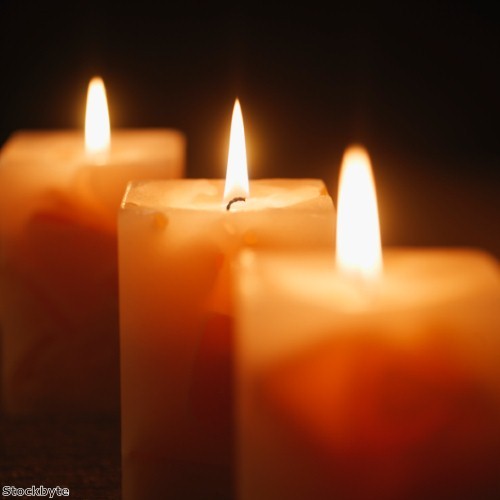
column 234, row 200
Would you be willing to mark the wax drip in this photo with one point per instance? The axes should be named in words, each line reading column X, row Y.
column 234, row 200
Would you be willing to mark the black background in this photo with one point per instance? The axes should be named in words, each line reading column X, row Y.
column 418, row 84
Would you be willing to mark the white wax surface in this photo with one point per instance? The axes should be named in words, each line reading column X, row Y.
column 207, row 195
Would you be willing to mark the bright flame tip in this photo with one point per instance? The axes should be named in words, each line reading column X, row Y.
column 97, row 127
column 237, row 170
column 359, row 249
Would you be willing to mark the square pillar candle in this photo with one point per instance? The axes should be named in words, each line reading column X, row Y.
column 176, row 242
column 59, row 200
column 357, row 381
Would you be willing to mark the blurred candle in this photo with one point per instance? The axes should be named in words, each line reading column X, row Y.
column 176, row 242
column 59, row 198
column 367, row 379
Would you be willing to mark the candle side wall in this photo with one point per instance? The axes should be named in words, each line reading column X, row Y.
column 176, row 319
column 59, row 276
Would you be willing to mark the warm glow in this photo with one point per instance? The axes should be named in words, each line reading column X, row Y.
column 237, row 173
column 359, row 250
column 97, row 129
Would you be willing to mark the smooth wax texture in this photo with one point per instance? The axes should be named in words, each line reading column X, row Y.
column 59, row 283
column 381, row 390
column 33, row 161
column 176, row 243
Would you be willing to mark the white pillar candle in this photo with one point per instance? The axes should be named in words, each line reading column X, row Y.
column 357, row 382
column 176, row 242
column 59, row 289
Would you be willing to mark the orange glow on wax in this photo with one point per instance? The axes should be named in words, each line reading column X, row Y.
column 97, row 128
column 237, row 171
column 359, row 249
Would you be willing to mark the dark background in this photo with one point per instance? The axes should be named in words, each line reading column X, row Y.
column 418, row 84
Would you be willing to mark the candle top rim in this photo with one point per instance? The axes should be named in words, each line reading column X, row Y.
column 46, row 136
column 414, row 277
column 191, row 195
column 52, row 147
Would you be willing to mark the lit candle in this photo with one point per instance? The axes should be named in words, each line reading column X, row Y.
column 176, row 241
column 367, row 379
column 59, row 198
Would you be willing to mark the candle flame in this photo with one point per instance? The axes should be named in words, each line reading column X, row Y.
column 97, row 128
column 359, row 249
column 237, row 171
